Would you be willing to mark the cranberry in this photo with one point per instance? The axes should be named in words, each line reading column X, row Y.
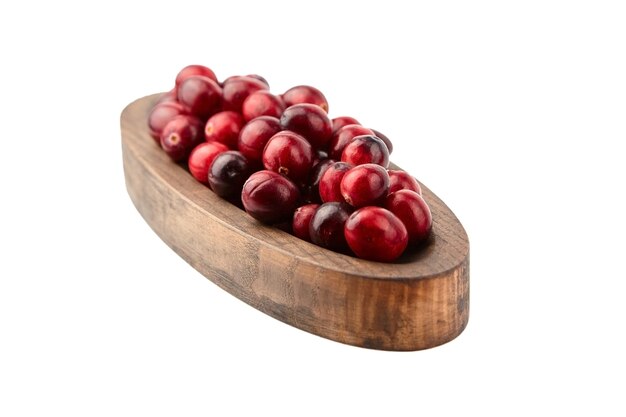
column 327, row 226
column 402, row 180
column 330, row 182
column 227, row 174
column 191, row 70
column 262, row 103
column 202, row 157
column 414, row 213
column 161, row 114
column 170, row 96
column 237, row 89
column 310, row 190
column 305, row 94
column 288, row 154
column 365, row 185
column 319, row 155
column 269, row 197
column 224, row 127
column 343, row 136
column 376, row 234
column 201, row 95
column 255, row 135
column 180, row 136
column 260, row 78
column 310, row 121
column 385, row 139
column 341, row 121
column 301, row 220
column 366, row 149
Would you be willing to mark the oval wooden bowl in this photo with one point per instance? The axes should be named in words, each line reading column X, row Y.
column 419, row 302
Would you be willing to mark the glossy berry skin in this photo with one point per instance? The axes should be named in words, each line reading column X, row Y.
column 330, row 182
column 191, row 70
column 341, row 121
column 366, row 149
column 236, row 90
column 376, row 234
column 343, row 136
column 385, row 139
column 365, row 185
column 227, row 174
column 327, row 226
column 202, row 157
column 201, row 95
column 260, row 78
column 180, row 136
column 413, row 212
column 289, row 154
column 301, row 220
column 224, row 127
column 305, row 94
column 254, row 136
column 402, row 180
column 161, row 114
column 269, row 197
column 317, row 172
column 262, row 103
column 309, row 121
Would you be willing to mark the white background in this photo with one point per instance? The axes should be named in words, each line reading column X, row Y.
column 512, row 112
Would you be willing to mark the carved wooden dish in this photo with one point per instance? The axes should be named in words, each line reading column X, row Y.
column 418, row 302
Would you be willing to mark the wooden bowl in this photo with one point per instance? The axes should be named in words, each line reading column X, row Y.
column 418, row 302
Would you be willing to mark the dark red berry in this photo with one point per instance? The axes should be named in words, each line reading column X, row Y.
column 227, row 174
column 191, row 70
column 309, row 121
column 301, row 220
column 269, row 197
column 202, row 157
column 262, row 103
column 180, row 136
column 376, row 234
column 365, row 185
column 201, row 95
column 366, row 149
column 260, row 78
column 288, row 154
column 161, row 114
column 305, row 94
column 402, row 180
column 236, row 90
column 254, row 136
column 330, row 182
column 385, row 139
column 224, row 127
column 343, row 136
column 310, row 189
column 414, row 213
column 341, row 121
column 327, row 226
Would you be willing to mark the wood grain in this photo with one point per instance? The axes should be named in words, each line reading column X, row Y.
column 419, row 302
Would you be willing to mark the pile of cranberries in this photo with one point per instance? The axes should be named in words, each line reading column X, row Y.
column 283, row 160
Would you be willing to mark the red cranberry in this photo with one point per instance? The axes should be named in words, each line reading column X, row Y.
column 341, row 121
column 269, row 197
column 262, row 103
column 385, row 139
column 170, row 96
column 305, row 94
column 365, row 185
column 180, row 136
column 161, row 114
column 224, row 127
column 330, row 182
column 310, row 190
column 414, row 213
column 402, row 180
column 376, row 234
column 191, row 70
column 255, row 135
column 228, row 172
column 343, row 136
column 366, row 149
column 288, row 154
column 201, row 95
column 309, row 121
column 202, row 157
column 236, row 90
column 301, row 220
column 260, row 78
column 327, row 226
